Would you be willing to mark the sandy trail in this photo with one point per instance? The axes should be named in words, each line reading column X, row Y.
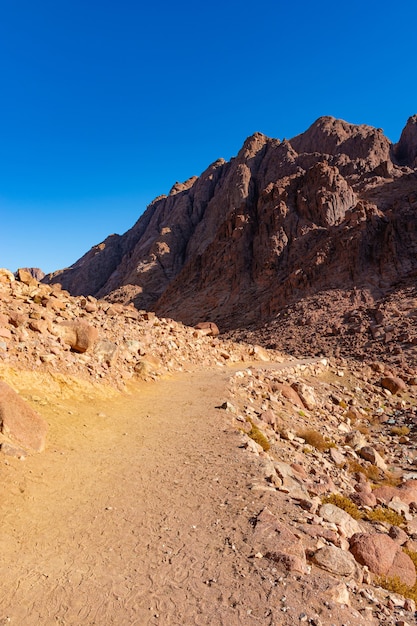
column 136, row 517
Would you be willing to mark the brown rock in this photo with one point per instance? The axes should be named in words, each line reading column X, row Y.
column 276, row 541
column 370, row 454
column 5, row 333
column 394, row 384
column 209, row 328
column 39, row 326
column 79, row 335
column 337, row 562
column 19, row 422
column 398, row 535
column 383, row 556
column 346, row 524
column 24, row 276
column 407, row 492
column 290, row 394
column 363, row 495
column 307, row 395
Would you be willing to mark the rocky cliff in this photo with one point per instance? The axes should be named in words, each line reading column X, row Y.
column 333, row 208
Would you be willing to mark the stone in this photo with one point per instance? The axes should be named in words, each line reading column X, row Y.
column 210, row 328
column 383, row 556
column 106, row 351
column 307, row 395
column 337, row 562
column 6, row 276
column 13, row 450
column 292, row 481
column 356, row 440
column 398, row 535
column 370, row 454
column 24, row 276
column 336, row 456
column 290, row 394
column 21, row 424
column 394, row 384
column 363, row 495
column 277, row 542
column 79, row 335
column 346, row 524
column 339, row 593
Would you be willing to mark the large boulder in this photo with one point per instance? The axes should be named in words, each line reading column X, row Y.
column 19, row 422
column 383, row 556
column 79, row 335
column 276, row 541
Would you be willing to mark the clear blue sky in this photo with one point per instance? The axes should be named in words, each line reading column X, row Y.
column 105, row 105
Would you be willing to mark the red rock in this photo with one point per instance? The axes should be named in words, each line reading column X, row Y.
column 394, row 384
column 383, row 556
column 19, row 422
column 276, row 541
column 288, row 392
column 407, row 492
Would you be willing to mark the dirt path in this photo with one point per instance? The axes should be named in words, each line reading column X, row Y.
column 137, row 514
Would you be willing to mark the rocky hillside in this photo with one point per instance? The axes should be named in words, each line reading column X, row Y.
column 331, row 209
column 326, row 524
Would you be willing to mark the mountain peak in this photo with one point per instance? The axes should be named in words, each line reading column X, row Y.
column 406, row 149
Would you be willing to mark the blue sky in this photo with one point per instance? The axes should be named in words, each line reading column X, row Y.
column 105, row 105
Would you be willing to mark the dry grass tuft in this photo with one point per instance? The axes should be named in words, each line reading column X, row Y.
column 343, row 503
column 316, row 439
column 402, row 431
column 258, row 436
column 383, row 514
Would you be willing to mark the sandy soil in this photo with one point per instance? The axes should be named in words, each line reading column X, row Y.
column 140, row 513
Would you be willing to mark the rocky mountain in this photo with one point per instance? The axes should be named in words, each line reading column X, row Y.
column 329, row 211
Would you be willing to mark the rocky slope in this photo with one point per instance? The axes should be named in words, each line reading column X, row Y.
column 330, row 209
column 327, row 503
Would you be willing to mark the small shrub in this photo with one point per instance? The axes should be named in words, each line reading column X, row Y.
column 363, row 429
column 316, row 439
column 395, row 585
column 402, row 431
column 374, row 474
column 383, row 514
column 343, row 503
column 258, row 437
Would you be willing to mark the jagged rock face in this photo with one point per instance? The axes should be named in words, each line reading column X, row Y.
column 325, row 196
column 406, row 148
column 331, row 208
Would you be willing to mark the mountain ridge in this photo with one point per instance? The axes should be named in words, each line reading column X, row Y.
column 331, row 208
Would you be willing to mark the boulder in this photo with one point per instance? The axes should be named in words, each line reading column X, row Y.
column 394, row 384
column 370, row 454
column 277, row 542
column 346, row 524
column 337, row 561
column 383, row 556
column 19, row 422
column 209, row 328
column 290, row 394
column 79, row 335
column 307, row 395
